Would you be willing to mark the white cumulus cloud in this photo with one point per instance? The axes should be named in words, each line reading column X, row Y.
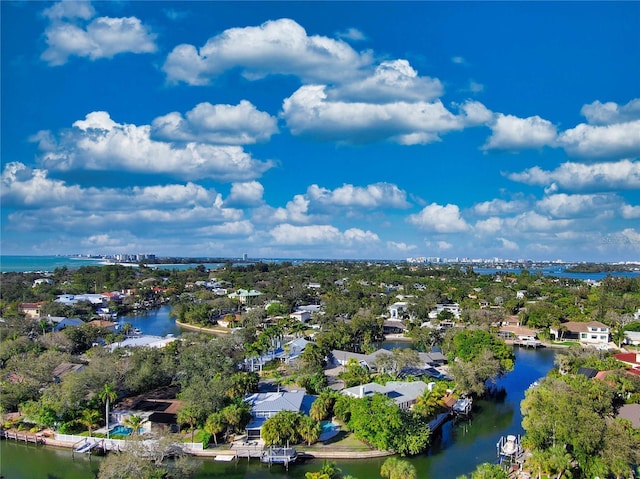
column 512, row 133
column 572, row 206
column 276, row 47
column 630, row 211
column 617, row 140
column 99, row 143
column 608, row 113
column 391, row 81
column 320, row 234
column 377, row 195
column 310, row 112
column 498, row 206
column 247, row 193
column 624, row 174
column 440, row 219
column 103, row 37
column 240, row 124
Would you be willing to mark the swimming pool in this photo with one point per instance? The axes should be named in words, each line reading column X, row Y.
column 120, row 430
column 328, row 426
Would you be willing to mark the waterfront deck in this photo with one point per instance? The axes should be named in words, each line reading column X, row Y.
column 279, row 455
column 23, row 437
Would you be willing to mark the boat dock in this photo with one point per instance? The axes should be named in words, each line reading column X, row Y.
column 279, row 455
column 463, row 406
column 510, row 450
column 23, row 437
column 86, row 446
column 247, row 449
column 440, row 419
column 528, row 343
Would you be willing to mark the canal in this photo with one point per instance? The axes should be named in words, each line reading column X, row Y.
column 458, row 450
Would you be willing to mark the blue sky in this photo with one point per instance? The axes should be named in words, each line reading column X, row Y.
column 322, row 130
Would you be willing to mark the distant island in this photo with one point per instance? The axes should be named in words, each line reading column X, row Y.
column 596, row 268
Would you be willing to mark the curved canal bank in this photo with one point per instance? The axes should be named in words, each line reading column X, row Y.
column 457, row 450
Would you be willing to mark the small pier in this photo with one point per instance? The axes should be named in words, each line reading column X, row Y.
column 440, row 419
column 528, row 343
column 279, row 455
column 463, row 406
column 23, row 437
column 247, row 449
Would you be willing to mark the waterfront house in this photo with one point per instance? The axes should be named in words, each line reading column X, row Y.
column 592, row 333
column 68, row 323
column 266, row 405
column 403, row 393
column 393, row 326
column 101, row 323
column 341, row 358
column 144, row 340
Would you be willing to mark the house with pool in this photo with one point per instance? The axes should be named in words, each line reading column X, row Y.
column 266, row 405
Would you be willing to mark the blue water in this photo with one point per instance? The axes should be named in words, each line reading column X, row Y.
column 327, row 426
column 43, row 263
column 560, row 273
column 155, row 322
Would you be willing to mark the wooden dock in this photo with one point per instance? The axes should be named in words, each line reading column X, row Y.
column 23, row 437
column 248, row 449
column 440, row 419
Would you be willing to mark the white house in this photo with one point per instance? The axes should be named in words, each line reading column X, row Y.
column 632, row 338
column 590, row 333
column 302, row 316
column 397, row 310
column 404, row 394
column 453, row 308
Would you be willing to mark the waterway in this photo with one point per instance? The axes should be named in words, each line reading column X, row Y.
column 458, row 450
column 156, row 322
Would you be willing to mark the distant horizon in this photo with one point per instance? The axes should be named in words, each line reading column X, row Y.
column 250, row 259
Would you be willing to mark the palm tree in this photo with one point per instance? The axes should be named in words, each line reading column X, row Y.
column 188, row 415
column 394, row 468
column 134, row 422
column 215, row 425
column 309, row 429
column 89, row 418
column 107, row 395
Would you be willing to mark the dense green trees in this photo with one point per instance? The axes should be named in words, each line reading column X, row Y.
column 476, row 356
column 569, row 420
column 379, row 422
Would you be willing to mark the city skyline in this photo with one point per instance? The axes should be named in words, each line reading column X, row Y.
column 322, row 130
